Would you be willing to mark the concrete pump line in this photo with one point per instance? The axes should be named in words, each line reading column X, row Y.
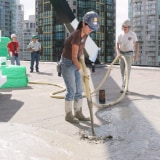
column 54, row 94
column 104, row 79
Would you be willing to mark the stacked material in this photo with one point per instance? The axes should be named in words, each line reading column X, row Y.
column 3, row 79
column 16, row 76
column 10, row 76
column 3, row 47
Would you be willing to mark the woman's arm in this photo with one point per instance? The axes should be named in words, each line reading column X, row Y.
column 75, row 49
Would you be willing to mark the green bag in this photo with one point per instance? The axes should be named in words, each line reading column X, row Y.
column 16, row 76
column 3, row 46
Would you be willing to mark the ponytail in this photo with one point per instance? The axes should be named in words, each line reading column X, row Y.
column 80, row 25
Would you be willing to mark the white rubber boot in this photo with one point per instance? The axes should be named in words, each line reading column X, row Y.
column 69, row 116
column 78, row 111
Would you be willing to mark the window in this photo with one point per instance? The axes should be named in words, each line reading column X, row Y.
column 74, row 11
column 74, row 3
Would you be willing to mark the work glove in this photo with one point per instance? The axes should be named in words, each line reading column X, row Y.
column 83, row 75
column 82, row 57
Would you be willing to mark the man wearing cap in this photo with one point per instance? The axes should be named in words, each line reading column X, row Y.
column 35, row 48
column 13, row 50
column 127, row 43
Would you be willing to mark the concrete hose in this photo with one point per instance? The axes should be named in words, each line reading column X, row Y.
column 87, row 89
column 104, row 79
column 54, row 94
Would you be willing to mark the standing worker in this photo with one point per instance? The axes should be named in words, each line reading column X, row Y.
column 13, row 50
column 127, row 43
column 35, row 48
column 70, row 66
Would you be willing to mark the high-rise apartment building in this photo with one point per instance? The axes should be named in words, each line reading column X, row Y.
column 105, row 36
column 145, row 18
column 52, row 33
column 7, row 17
column 11, row 20
column 27, row 32
column 19, row 25
column 45, row 28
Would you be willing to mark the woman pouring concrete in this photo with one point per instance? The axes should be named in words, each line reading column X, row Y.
column 70, row 66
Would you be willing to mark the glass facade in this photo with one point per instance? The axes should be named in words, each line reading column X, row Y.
column 58, row 41
column 52, row 34
column 105, row 36
column 44, row 28
column 109, row 30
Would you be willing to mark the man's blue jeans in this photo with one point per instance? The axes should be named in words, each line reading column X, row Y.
column 72, row 79
column 35, row 56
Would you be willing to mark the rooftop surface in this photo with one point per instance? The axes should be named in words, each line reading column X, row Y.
column 33, row 127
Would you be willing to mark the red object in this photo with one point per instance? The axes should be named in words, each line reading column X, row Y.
column 13, row 47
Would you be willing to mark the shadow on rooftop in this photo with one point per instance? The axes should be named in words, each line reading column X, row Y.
column 8, row 107
column 134, row 136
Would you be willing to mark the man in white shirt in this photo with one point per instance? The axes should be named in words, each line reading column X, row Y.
column 127, row 43
column 35, row 48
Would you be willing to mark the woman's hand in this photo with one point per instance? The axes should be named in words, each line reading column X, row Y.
column 83, row 74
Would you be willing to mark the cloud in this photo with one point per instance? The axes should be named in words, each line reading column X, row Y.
column 29, row 8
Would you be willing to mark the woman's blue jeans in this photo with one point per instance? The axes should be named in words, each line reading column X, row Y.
column 72, row 79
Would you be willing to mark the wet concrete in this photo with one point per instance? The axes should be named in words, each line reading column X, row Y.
column 33, row 127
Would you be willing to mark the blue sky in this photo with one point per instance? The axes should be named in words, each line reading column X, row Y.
column 121, row 11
